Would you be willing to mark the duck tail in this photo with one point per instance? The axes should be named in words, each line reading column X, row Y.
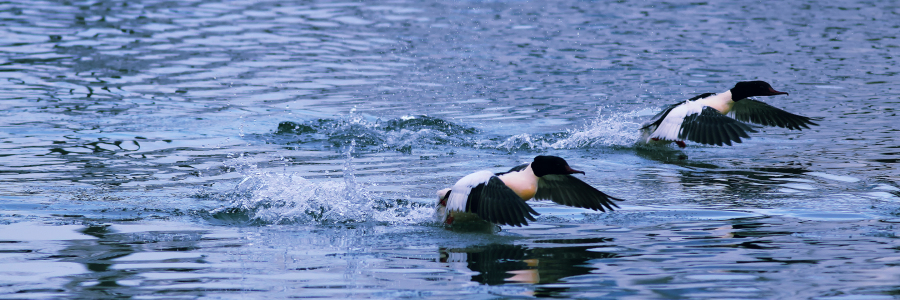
column 440, row 211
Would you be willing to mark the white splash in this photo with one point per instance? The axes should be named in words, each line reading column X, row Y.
column 618, row 130
column 522, row 141
column 604, row 130
column 277, row 198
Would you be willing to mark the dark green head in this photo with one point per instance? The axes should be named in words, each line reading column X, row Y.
column 746, row 89
column 551, row 165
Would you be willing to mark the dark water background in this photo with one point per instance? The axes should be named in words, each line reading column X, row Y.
column 272, row 149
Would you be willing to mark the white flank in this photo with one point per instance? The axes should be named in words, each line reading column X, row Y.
column 460, row 191
column 670, row 127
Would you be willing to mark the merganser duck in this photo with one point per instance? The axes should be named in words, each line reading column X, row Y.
column 500, row 198
column 716, row 119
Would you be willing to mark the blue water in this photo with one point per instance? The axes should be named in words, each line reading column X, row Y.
column 252, row 149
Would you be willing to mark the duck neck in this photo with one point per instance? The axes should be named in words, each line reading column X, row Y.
column 738, row 95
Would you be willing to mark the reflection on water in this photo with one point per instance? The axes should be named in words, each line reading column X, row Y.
column 97, row 256
column 497, row 264
column 758, row 257
column 271, row 149
column 117, row 261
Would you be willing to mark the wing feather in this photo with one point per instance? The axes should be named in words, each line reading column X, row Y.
column 734, row 133
column 571, row 191
column 500, row 205
column 659, row 117
column 459, row 193
column 758, row 112
column 711, row 127
column 670, row 127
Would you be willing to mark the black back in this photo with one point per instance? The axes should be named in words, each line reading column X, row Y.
column 514, row 169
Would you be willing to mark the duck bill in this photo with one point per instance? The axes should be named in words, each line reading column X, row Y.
column 573, row 171
column 773, row 92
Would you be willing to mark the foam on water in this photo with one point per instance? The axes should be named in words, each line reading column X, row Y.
column 613, row 130
column 277, row 198
column 523, row 141
column 616, row 130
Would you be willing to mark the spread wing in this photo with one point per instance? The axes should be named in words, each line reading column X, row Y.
column 757, row 112
column 713, row 128
column 571, row 191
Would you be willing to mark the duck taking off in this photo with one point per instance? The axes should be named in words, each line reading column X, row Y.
column 500, row 198
column 717, row 119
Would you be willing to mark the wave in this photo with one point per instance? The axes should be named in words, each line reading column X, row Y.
column 420, row 131
column 402, row 134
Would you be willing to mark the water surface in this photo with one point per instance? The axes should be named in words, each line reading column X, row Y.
column 247, row 149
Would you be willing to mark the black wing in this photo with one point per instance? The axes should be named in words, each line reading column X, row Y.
column 713, row 128
column 571, row 191
column 655, row 120
column 494, row 202
column 757, row 112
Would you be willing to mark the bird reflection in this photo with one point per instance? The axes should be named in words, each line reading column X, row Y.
column 498, row 264
column 745, row 180
column 661, row 154
column 100, row 255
